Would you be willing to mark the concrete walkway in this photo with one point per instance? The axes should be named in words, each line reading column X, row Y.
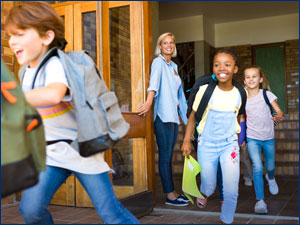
column 283, row 209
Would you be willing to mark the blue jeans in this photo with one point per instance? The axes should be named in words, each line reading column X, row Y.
column 166, row 135
column 254, row 148
column 36, row 199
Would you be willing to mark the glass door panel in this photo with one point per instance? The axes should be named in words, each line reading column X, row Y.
column 120, row 59
column 122, row 36
column 89, row 34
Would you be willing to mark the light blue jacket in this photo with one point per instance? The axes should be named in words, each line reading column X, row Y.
column 162, row 81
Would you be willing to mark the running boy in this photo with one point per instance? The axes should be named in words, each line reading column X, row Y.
column 218, row 140
column 34, row 28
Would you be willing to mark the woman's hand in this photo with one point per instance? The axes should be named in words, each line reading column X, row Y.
column 143, row 110
column 186, row 148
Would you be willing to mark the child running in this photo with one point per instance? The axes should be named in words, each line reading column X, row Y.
column 34, row 28
column 260, row 132
column 218, row 139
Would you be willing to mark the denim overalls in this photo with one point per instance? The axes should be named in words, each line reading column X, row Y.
column 219, row 142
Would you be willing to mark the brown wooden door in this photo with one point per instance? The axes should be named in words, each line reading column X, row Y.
column 126, row 38
column 118, row 37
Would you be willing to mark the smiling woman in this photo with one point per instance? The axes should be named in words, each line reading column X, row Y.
column 166, row 91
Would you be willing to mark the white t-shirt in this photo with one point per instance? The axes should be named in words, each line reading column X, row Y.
column 59, row 122
column 178, row 83
column 259, row 123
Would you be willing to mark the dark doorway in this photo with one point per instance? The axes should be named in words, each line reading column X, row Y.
column 186, row 65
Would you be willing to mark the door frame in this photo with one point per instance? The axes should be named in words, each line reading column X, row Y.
column 144, row 42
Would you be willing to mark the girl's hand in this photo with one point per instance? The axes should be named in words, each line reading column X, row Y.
column 280, row 114
column 277, row 118
column 186, row 148
column 243, row 144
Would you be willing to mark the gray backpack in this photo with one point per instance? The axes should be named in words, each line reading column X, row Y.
column 99, row 119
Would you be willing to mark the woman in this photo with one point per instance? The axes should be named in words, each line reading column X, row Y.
column 169, row 102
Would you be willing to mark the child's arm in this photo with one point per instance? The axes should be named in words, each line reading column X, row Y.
column 186, row 147
column 52, row 94
column 242, row 134
column 280, row 114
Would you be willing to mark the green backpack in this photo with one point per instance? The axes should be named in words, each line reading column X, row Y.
column 23, row 145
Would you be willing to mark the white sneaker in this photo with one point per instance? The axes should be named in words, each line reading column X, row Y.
column 261, row 207
column 273, row 187
column 248, row 183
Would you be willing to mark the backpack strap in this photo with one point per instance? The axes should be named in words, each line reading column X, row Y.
column 205, row 98
column 200, row 81
column 51, row 52
column 267, row 100
column 243, row 96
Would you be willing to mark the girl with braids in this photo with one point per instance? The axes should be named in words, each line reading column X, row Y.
column 218, row 135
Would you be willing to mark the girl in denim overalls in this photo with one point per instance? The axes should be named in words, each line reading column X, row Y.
column 218, row 140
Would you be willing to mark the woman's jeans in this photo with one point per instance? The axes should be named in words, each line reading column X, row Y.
column 36, row 199
column 166, row 135
column 254, row 148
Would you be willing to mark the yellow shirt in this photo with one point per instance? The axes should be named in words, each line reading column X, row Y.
column 223, row 101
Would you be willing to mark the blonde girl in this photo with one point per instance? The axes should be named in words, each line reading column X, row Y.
column 260, row 132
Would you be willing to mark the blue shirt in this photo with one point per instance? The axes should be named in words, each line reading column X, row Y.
column 163, row 82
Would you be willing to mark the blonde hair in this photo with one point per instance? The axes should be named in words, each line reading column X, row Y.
column 265, row 84
column 158, row 43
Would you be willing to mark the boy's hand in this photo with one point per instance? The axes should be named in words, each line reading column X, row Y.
column 186, row 148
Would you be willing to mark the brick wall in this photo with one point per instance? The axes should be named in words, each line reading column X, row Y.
column 6, row 53
column 292, row 75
